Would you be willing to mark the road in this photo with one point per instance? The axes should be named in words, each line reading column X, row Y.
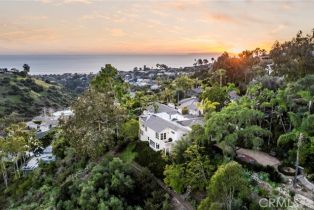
column 184, row 204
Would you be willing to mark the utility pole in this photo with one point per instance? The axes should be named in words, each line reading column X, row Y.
column 297, row 160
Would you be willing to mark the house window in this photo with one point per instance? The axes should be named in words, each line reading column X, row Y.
column 157, row 146
column 172, row 132
column 152, row 143
column 157, row 135
column 141, row 132
column 163, row 136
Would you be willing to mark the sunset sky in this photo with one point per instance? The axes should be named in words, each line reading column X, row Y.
column 148, row 27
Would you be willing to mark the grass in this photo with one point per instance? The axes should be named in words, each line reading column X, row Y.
column 128, row 154
column 42, row 83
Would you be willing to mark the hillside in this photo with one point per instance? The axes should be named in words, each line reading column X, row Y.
column 27, row 96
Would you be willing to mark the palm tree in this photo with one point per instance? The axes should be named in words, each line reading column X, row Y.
column 207, row 106
column 301, row 130
column 221, row 73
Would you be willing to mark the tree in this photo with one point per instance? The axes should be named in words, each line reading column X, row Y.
column 197, row 169
column 95, row 126
column 225, row 186
column 26, row 68
column 236, row 124
column 207, row 106
column 200, row 61
column 294, row 59
column 130, row 129
column 14, row 145
column 300, row 138
column 3, row 161
column 183, row 83
column 174, row 177
column 214, row 94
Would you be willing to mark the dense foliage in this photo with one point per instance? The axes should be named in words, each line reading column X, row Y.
column 27, row 96
column 245, row 105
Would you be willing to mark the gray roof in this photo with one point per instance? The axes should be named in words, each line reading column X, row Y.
column 158, row 124
column 162, row 108
column 190, row 103
column 191, row 122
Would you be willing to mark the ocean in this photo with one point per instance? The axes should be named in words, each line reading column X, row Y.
column 58, row 64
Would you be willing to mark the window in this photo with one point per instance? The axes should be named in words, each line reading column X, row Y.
column 172, row 132
column 152, row 143
column 163, row 136
column 141, row 132
column 157, row 135
column 157, row 146
column 145, row 128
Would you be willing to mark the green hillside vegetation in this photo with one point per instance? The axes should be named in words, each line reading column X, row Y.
column 27, row 96
column 99, row 159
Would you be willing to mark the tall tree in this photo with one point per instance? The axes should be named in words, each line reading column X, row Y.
column 95, row 126
column 294, row 59
column 226, row 185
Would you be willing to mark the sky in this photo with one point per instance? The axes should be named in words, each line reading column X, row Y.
column 148, row 27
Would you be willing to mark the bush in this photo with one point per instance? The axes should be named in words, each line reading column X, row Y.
column 148, row 158
column 185, row 111
column 273, row 174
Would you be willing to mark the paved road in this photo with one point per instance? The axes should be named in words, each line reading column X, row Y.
column 186, row 205
column 305, row 182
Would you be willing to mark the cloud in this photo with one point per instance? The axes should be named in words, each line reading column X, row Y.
column 116, row 32
column 40, row 17
column 181, row 5
column 117, row 17
column 12, row 32
column 62, row 2
column 278, row 29
column 221, row 18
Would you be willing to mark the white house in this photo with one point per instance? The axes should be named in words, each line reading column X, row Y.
column 162, row 126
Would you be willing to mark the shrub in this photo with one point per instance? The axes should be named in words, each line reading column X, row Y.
column 273, row 174
column 150, row 159
column 185, row 111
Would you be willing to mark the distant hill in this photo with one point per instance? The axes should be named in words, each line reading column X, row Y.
column 75, row 83
column 27, row 96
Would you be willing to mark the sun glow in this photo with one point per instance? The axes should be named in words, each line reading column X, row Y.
column 236, row 50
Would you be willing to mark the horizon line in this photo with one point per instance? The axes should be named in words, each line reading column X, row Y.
column 110, row 54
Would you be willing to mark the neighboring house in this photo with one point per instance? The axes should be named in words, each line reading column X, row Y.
column 47, row 157
column 162, row 126
column 190, row 104
column 42, row 124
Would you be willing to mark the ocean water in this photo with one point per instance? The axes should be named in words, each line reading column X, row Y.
column 58, row 64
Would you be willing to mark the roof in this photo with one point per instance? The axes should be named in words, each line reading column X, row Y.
column 190, row 103
column 191, row 122
column 158, row 124
column 161, row 108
